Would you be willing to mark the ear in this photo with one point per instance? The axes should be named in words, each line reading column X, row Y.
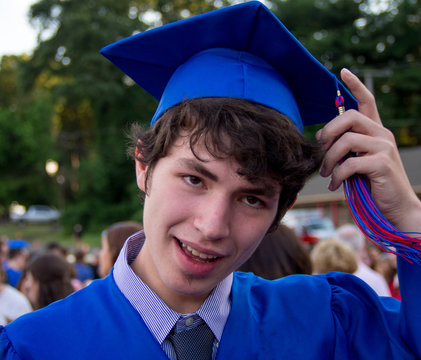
column 140, row 173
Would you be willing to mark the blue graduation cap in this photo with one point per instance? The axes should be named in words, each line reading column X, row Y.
column 241, row 51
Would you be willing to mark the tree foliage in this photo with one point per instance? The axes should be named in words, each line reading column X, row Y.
column 25, row 145
column 378, row 40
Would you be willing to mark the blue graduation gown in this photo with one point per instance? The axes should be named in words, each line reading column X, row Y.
column 333, row 316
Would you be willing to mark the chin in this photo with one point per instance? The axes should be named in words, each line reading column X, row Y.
column 192, row 287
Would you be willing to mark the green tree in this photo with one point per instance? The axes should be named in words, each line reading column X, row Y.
column 399, row 52
column 25, row 139
column 379, row 41
column 25, row 145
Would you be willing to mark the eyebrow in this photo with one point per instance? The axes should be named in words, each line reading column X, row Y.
column 263, row 189
column 196, row 166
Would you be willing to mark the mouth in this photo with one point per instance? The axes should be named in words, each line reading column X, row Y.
column 197, row 255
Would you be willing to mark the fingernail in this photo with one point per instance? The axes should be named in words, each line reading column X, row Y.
column 346, row 72
column 330, row 186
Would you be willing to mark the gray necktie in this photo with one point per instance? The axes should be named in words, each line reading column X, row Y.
column 193, row 344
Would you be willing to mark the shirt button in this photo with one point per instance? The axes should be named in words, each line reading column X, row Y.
column 189, row 321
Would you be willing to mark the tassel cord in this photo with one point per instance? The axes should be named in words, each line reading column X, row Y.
column 368, row 217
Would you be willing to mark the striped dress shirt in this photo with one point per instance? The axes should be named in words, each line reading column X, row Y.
column 158, row 317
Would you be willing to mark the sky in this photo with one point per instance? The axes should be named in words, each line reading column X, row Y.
column 17, row 35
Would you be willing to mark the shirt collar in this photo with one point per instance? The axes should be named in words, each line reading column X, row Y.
column 158, row 317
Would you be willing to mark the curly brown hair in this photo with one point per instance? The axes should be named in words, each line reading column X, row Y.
column 265, row 143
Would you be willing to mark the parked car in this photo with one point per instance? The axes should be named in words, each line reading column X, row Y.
column 38, row 214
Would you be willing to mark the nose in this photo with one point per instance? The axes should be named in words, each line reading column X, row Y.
column 213, row 218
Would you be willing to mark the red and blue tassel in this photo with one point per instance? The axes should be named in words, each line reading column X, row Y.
column 369, row 219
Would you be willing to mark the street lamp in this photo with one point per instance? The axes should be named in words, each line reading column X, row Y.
column 51, row 167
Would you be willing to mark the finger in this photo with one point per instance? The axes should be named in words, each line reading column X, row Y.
column 379, row 159
column 353, row 121
column 350, row 167
column 366, row 101
column 350, row 142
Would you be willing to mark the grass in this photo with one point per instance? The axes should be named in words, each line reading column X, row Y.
column 45, row 233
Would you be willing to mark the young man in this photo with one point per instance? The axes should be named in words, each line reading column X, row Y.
column 220, row 165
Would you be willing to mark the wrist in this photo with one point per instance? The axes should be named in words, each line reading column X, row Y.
column 410, row 219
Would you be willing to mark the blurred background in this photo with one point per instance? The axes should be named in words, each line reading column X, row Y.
column 65, row 110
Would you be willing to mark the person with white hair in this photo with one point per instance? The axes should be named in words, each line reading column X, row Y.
column 353, row 237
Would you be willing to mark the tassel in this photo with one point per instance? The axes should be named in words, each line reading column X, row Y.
column 368, row 218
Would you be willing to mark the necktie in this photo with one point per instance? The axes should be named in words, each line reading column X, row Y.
column 193, row 344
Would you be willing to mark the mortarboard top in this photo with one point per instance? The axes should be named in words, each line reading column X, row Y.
column 241, row 51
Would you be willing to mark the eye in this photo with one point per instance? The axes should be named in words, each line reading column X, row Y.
column 253, row 201
column 193, row 180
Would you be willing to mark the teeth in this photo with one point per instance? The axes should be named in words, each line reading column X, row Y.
column 198, row 253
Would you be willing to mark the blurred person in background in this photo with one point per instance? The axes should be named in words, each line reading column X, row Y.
column 17, row 259
column 84, row 272
column 350, row 235
column 112, row 240
column 386, row 265
column 56, row 248
column 374, row 254
column 62, row 251
column 4, row 249
column 47, row 279
column 280, row 253
column 12, row 302
column 308, row 240
column 333, row 255
column 77, row 235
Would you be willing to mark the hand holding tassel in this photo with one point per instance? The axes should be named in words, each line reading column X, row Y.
column 377, row 188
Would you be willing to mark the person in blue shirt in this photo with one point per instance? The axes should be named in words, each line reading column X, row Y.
column 17, row 258
column 84, row 272
column 222, row 162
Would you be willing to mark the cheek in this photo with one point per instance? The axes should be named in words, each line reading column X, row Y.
column 157, row 217
column 101, row 261
column 248, row 251
column 25, row 286
column 34, row 292
column 105, row 263
column 248, row 240
column 30, row 288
